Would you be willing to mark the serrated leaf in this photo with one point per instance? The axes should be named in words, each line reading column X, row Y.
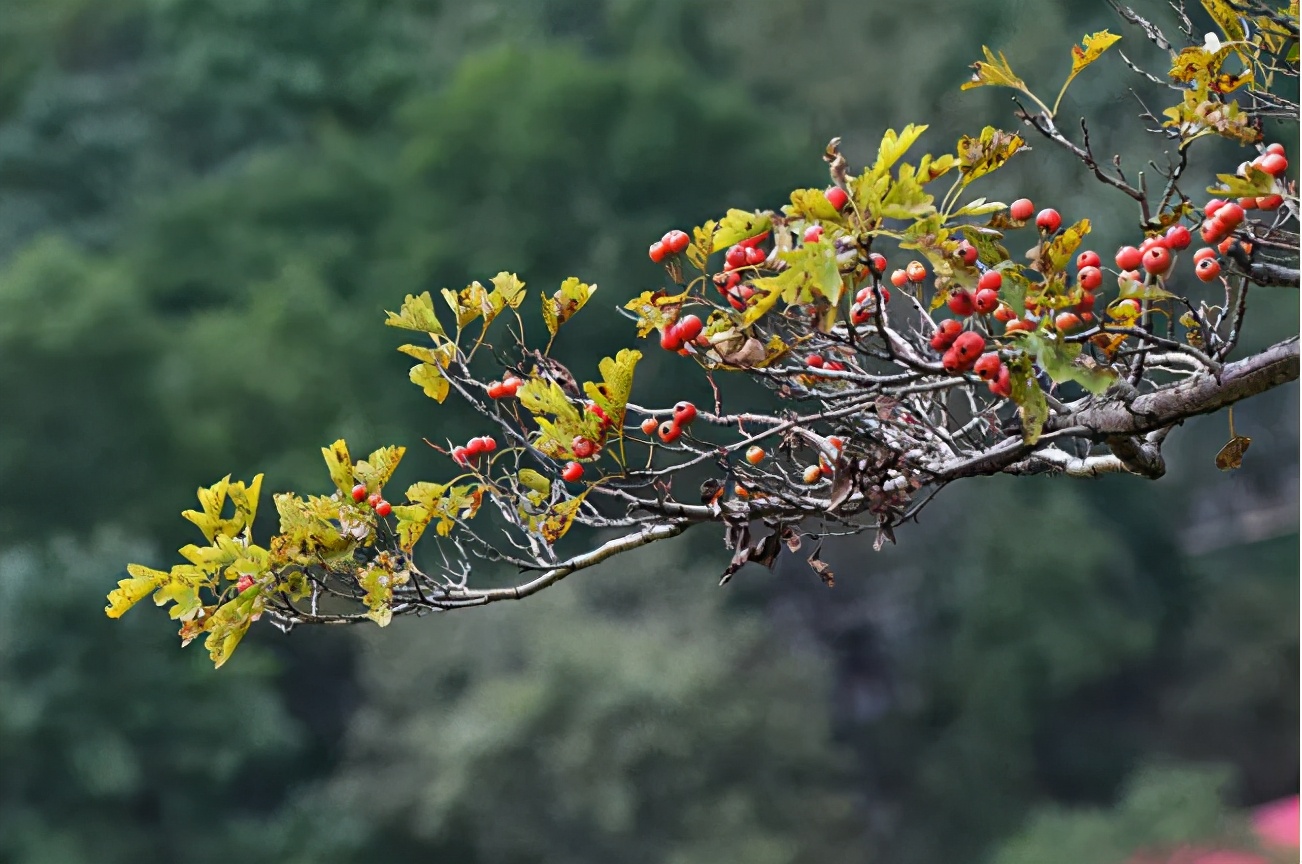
column 1063, row 361
column 227, row 626
column 1256, row 184
column 1061, row 249
column 987, row 152
column 417, row 313
column 340, row 465
column 894, row 145
column 376, row 469
column 740, row 225
column 378, row 583
column 560, row 518
column 812, row 204
column 1227, row 18
column 1133, row 290
column 1032, row 407
column 508, row 290
column 906, row 199
column 612, row 393
column 572, row 296
column 993, row 71
column 698, row 251
column 469, row 303
column 655, row 310
column 1082, row 55
column 130, row 591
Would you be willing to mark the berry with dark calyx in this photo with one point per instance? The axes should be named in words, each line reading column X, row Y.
column 1157, row 260
column 991, row 279
column 967, row 253
column 1021, row 209
column 987, row 366
column 384, row 508
column 658, row 252
column 583, row 447
column 735, row 257
column 755, row 454
column 952, row 362
column 1178, row 237
column 1207, row 269
column 1088, row 258
column 837, row 197
column 813, row 234
column 961, row 303
column 1090, row 278
column 916, row 271
column 899, row 278
column 969, row 345
column 946, row 332
column 684, row 413
column 244, row 583
column 724, row 282
column 1002, row 385
column 572, row 472
column 877, row 261
column 814, row 361
column 676, row 241
column 1129, row 258
column 1048, row 220
column 986, row 301
column 1066, row 322
column 359, row 492
column 669, row 431
column 689, row 327
column 649, row 426
column 813, row 473
column 1005, row 313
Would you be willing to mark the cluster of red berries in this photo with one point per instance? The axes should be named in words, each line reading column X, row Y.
column 669, row 430
column 816, row 361
column 984, row 300
column 473, row 448
column 683, row 331
column 963, row 352
column 914, row 271
column 244, row 583
column 504, row 389
column 671, row 244
column 374, row 499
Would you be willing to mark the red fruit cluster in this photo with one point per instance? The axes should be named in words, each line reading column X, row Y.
column 504, row 389
column 473, row 448
column 746, row 253
column 865, row 303
column 244, row 583
column 683, row 331
column 671, row 244
column 670, row 430
column 375, row 499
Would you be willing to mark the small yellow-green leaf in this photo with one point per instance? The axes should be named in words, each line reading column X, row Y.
column 739, row 225
column 572, row 296
column 986, row 153
column 1090, row 49
column 612, row 393
column 1033, row 408
column 508, row 290
column 430, row 378
column 140, row 584
column 1227, row 18
column 376, row 469
column 340, row 465
column 417, row 313
column 560, row 518
column 531, row 479
column 993, row 71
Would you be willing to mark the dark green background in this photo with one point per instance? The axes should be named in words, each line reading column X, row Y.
column 205, row 207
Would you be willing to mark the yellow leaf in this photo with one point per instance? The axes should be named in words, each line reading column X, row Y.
column 376, row 469
column 340, row 465
column 468, row 304
column 993, row 71
column 417, row 313
column 1225, row 16
column 560, row 517
column 698, row 251
column 227, row 626
column 654, row 310
column 1062, row 247
column 430, row 378
column 616, row 385
column 988, row 152
column 508, row 290
column 531, row 479
column 739, row 225
column 131, row 591
column 562, row 305
column 894, row 146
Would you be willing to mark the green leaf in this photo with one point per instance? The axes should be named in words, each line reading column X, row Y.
column 1256, row 184
column 531, row 479
column 1032, row 407
column 1063, row 361
column 417, row 313
column 740, row 225
column 1133, row 290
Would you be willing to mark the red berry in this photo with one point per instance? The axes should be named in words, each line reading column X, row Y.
column 460, row 455
column 1086, row 304
column 1274, row 164
column 735, row 257
column 1021, row 209
column 1066, row 321
column 1005, row 313
column 676, row 241
column 497, row 390
column 1213, row 230
column 969, row 345
column 1270, row 202
column 1157, row 260
column 1205, row 252
column 1275, row 148
column 946, row 332
column 649, row 426
column 1090, row 278
column 952, row 362
column 1211, row 207
column 572, row 472
column 899, row 278
column 755, row 256
column 1088, row 258
column 837, row 197
column 1207, row 269
column 916, row 271
column 1048, row 220
column 689, row 327
column 967, row 252
column 670, row 340
column 374, row 499
column 1231, row 215
column 359, row 492
column 1129, row 258
column 384, row 508
column 486, row 444
column 814, row 361
column 583, row 447
column 962, row 303
column 877, row 261
column 987, row 366
column 684, row 413
column 990, row 279
column 813, row 473
column 658, row 251
column 1177, row 237
column 813, row 233
column 986, row 301
column 669, row 431
column 1003, row 383
column 1150, row 242
column 835, row 366
column 755, row 455
column 244, row 583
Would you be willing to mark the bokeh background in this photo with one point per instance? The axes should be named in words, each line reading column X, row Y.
column 205, row 205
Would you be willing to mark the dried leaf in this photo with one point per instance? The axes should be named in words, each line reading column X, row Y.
column 1230, row 456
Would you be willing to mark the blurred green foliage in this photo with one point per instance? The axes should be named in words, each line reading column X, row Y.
column 204, row 209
